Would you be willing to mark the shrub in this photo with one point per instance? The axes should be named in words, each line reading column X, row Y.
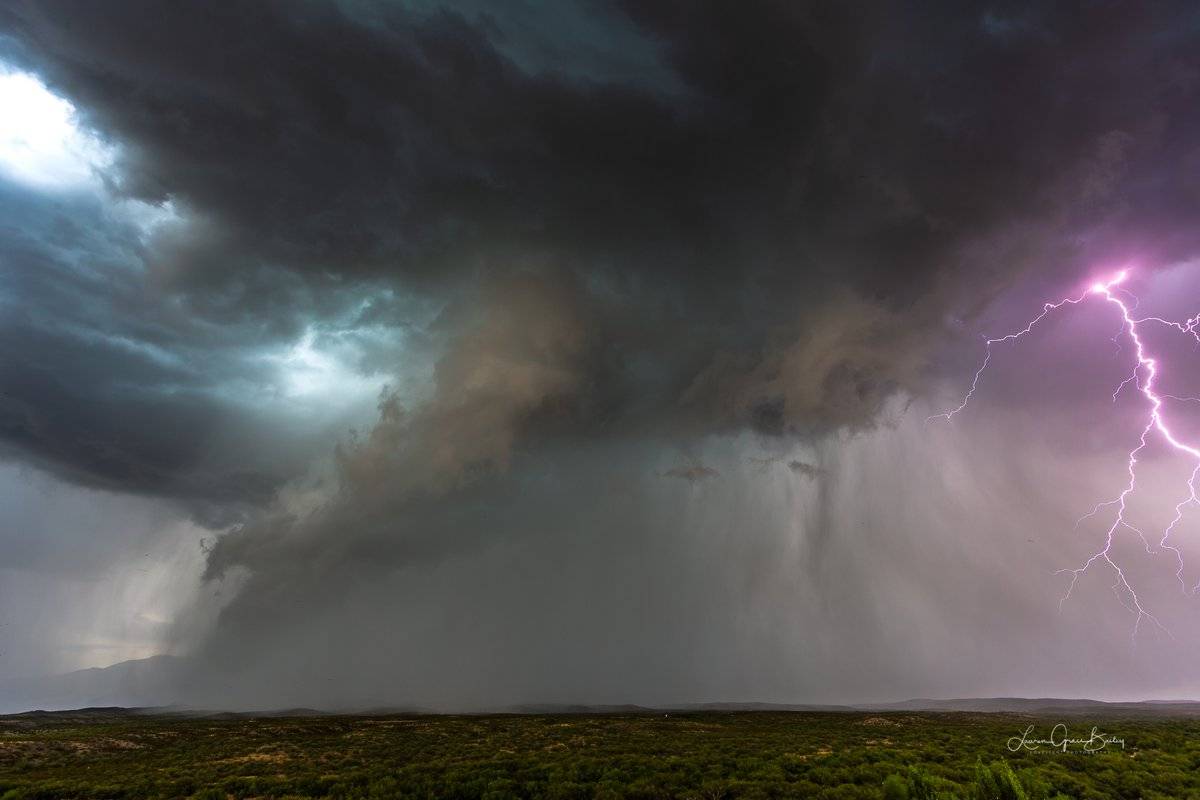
column 895, row 788
column 997, row 782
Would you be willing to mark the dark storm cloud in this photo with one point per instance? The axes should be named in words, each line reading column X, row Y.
column 817, row 180
column 707, row 219
column 80, row 365
column 111, row 383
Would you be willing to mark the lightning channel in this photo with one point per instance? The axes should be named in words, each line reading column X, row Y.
column 1143, row 376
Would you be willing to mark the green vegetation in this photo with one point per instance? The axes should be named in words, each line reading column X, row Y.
column 898, row 756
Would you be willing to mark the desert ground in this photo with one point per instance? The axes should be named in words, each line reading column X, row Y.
column 114, row 753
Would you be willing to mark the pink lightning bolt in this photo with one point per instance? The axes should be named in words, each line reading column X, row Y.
column 1145, row 371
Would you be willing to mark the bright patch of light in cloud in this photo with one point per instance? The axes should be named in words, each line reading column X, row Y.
column 307, row 372
column 40, row 142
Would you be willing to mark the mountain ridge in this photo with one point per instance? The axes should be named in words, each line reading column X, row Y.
column 153, row 685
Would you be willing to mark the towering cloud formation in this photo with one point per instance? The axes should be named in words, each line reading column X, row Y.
column 581, row 247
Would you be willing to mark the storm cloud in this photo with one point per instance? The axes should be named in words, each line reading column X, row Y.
column 594, row 286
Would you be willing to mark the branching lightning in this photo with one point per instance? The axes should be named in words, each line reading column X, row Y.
column 1143, row 376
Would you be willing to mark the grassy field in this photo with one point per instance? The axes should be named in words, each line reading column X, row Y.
column 693, row 755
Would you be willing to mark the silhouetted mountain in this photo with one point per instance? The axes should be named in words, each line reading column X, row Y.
column 140, row 683
column 155, row 685
column 576, row 708
column 765, row 707
column 1037, row 705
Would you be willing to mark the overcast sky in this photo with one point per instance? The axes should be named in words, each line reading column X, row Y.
column 465, row 354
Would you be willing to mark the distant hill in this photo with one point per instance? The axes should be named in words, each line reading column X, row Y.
column 765, row 707
column 151, row 681
column 1038, row 705
column 155, row 685
column 1008, row 705
column 576, row 708
column 985, row 705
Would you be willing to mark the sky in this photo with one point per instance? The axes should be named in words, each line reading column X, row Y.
column 462, row 355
